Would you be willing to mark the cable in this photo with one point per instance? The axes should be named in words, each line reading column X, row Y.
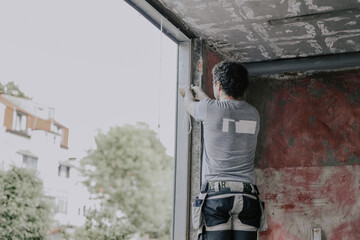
column 160, row 77
column 188, row 118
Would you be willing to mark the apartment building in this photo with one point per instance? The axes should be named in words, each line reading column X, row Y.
column 31, row 137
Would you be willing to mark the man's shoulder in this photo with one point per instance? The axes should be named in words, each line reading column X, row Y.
column 207, row 102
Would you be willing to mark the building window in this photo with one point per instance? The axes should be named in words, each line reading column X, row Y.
column 64, row 171
column 20, row 122
column 30, row 162
column 58, row 130
column 61, row 204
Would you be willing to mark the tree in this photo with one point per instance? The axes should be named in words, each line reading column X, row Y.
column 11, row 89
column 104, row 224
column 131, row 172
column 25, row 212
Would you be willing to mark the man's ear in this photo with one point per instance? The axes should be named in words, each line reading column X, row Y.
column 218, row 86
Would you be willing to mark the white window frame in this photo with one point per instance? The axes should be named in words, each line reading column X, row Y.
column 20, row 121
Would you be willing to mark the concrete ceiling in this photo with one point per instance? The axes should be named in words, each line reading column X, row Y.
column 262, row 30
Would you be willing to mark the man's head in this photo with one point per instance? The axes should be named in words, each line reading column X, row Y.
column 231, row 77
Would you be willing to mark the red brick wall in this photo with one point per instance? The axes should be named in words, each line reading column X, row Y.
column 211, row 59
column 308, row 155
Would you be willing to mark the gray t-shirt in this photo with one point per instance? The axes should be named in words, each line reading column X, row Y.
column 230, row 136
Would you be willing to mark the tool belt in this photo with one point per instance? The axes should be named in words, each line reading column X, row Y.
column 221, row 187
column 230, row 186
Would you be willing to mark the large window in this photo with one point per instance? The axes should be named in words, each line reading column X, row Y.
column 180, row 225
column 117, row 70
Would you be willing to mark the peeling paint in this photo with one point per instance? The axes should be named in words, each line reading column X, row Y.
column 249, row 13
column 330, row 41
column 312, row 6
column 325, row 127
column 310, row 29
column 323, row 28
column 318, row 49
column 335, row 19
column 261, row 31
column 293, row 7
column 298, row 199
column 263, row 51
column 351, row 23
column 287, row 43
column 278, row 51
column 319, row 27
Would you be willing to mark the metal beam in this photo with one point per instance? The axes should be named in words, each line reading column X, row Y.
column 163, row 19
column 318, row 63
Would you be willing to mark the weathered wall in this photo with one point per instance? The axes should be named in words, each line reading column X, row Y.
column 308, row 156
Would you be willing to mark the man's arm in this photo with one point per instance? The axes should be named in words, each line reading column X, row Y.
column 189, row 101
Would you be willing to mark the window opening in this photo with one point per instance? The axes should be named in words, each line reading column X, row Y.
column 87, row 111
column 30, row 162
column 20, row 122
column 64, row 171
column 61, row 205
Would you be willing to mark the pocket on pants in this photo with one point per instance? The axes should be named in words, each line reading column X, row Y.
column 251, row 212
column 196, row 212
column 216, row 211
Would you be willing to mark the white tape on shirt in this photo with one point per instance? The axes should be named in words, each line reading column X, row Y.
column 241, row 126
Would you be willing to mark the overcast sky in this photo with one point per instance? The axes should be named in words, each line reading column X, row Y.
column 96, row 62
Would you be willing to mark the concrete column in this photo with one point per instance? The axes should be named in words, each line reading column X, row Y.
column 196, row 133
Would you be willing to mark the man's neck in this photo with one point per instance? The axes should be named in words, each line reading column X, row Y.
column 223, row 96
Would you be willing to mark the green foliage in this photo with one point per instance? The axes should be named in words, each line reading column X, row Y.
column 11, row 89
column 104, row 224
column 131, row 172
column 25, row 212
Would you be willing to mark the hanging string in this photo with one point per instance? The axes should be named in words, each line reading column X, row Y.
column 187, row 123
column 160, row 78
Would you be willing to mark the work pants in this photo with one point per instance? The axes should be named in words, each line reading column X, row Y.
column 232, row 212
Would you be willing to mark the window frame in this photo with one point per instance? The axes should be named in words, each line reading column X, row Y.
column 181, row 194
column 26, row 164
column 67, row 171
column 61, row 204
column 20, row 126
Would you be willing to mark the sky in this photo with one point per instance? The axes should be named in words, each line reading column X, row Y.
column 98, row 63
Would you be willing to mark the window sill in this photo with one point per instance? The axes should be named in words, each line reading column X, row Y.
column 20, row 133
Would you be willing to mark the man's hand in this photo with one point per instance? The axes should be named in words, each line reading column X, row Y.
column 200, row 94
column 183, row 90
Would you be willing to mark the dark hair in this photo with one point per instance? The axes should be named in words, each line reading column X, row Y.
column 233, row 78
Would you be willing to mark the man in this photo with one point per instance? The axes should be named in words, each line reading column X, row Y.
column 231, row 125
